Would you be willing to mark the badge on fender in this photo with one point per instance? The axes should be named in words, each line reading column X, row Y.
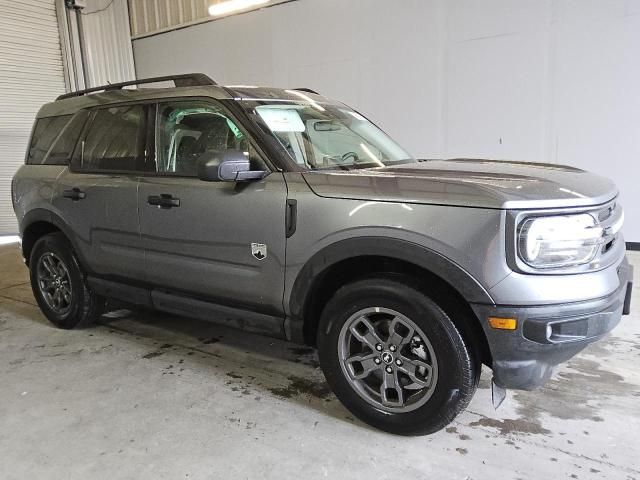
column 259, row 250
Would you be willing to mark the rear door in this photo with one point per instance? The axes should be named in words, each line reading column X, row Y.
column 217, row 241
column 97, row 195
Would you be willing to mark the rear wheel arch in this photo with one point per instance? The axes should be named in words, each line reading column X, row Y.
column 343, row 262
column 38, row 223
column 33, row 233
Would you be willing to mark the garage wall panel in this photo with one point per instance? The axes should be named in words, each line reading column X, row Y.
column 31, row 74
column 107, row 42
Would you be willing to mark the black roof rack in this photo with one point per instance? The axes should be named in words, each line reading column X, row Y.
column 186, row 80
column 308, row 90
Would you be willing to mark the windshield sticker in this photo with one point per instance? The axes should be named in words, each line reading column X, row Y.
column 281, row 119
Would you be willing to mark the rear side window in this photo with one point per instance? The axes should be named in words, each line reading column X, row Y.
column 115, row 141
column 45, row 132
column 61, row 150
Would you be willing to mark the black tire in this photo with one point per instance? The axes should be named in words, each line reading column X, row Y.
column 459, row 370
column 84, row 307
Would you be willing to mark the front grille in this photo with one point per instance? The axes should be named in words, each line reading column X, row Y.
column 610, row 218
column 606, row 212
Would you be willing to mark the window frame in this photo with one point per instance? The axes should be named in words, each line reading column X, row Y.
column 152, row 159
column 74, row 167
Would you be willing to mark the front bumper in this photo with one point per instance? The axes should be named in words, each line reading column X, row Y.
column 547, row 335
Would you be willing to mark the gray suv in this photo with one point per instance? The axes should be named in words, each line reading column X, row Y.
column 286, row 213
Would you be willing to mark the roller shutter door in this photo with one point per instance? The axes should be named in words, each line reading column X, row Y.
column 31, row 74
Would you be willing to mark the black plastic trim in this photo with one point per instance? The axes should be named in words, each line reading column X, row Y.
column 524, row 358
column 307, row 279
column 186, row 80
column 43, row 215
column 633, row 246
column 242, row 319
column 130, row 294
column 626, row 309
column 172, row 302
column 292, row 217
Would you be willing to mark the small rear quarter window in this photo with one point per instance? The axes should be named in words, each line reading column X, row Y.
column 45, row 132
column 62, row 148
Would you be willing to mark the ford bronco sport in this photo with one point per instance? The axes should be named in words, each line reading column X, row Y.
column 283, row 212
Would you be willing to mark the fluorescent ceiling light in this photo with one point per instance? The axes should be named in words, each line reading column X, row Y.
column 230, row 6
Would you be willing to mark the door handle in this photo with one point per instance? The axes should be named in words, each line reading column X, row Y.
column 164, row 200
column 74, row 194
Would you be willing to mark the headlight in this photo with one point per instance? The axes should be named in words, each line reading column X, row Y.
column 559, row 241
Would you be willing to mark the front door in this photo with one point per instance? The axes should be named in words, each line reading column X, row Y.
column 222, row 242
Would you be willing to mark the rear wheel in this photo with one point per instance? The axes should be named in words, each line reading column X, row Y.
column 59, row 285
column 394, row 358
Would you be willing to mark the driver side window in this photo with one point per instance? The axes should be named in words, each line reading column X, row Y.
column 186, row 131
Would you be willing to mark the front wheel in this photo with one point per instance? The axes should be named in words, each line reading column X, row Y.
column 394, row 358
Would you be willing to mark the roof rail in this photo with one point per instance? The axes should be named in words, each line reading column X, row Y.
column 186, row 80
column 308, row 90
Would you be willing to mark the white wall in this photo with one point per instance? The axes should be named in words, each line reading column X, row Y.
column 538, row 80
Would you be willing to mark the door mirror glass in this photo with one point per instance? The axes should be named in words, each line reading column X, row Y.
column 227, row 166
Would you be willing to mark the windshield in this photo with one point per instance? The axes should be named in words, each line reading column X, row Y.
column 319, row 135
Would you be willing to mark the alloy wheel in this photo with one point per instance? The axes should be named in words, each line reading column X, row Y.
column 387, row 359
column 54, row 283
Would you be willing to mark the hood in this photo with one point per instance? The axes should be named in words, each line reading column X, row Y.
column 468, row 183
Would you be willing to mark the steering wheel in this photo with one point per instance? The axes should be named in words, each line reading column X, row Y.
column 349, row 155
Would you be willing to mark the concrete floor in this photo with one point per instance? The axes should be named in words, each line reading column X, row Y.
column 150, row 396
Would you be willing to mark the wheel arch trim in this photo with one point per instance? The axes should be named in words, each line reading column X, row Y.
column 418, row 255
column 47, row 216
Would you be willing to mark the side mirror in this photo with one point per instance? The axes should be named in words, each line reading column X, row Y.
column 227, row 166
